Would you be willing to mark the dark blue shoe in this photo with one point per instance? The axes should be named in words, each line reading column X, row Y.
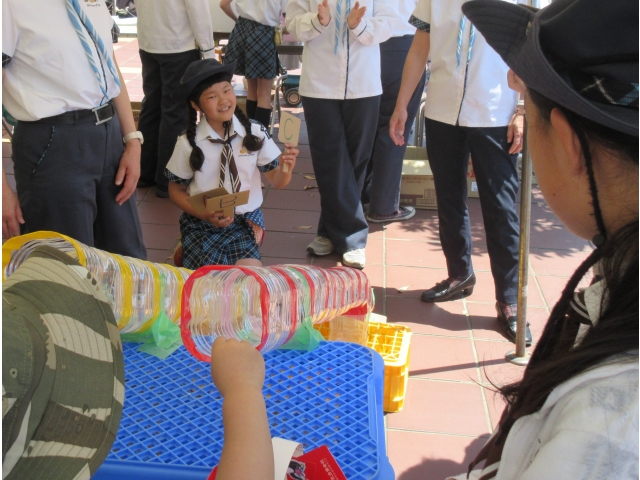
column 450, row 289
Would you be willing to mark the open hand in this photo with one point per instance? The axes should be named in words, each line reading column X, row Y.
column 355, row 15
column 397, row 124
column 324, row 14
column 11, row 213
column 217, row 219
column 128, row 171
column 236, row 366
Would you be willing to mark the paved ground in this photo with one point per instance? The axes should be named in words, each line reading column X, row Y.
column 457, row 350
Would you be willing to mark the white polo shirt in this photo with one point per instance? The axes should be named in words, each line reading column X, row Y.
column 266, row 12
column 400, row 25
column 471, row 93
column 208, row 177
column 47, row 71
column 174, row 26
column 340, row 64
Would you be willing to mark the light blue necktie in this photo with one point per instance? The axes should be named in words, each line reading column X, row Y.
column 472, row 38
column 79, row 18
column 341, row 27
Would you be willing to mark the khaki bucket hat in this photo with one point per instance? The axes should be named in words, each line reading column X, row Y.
column 62, row 371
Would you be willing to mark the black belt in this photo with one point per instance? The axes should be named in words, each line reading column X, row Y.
column 97, row 115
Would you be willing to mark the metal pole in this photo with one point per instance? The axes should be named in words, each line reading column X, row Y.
column 520, row 356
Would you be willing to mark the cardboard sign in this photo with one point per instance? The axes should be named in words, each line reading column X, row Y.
column 218, row 199
column 289, row 132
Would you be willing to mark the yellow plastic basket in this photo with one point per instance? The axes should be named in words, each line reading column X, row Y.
column 393, row 343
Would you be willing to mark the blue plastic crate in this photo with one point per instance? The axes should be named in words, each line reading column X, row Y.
column 172, row 425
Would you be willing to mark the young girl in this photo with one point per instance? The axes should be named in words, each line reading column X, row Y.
column 340, row 88
column 228, row 150
column 252, row 47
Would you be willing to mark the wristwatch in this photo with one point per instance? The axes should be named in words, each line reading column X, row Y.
column 520, row 108
column 131, row 135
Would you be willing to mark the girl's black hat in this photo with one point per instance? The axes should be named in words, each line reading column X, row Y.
column 582, row 54
column 199, row 71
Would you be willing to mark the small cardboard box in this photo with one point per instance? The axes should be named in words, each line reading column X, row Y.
column 218, row 199
column 136, row 107
column 472, row 185
column 417, row 188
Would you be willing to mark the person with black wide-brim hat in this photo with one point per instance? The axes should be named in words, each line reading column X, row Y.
column 575, row 412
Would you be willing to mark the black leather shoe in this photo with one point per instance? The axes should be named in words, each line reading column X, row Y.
column 450, row 289
column 507, row 317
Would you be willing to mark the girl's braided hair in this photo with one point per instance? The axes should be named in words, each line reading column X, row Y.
column 615, row 334
column 251, row 142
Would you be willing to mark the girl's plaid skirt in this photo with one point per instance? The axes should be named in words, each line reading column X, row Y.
column 252, row 46
column 204, row 244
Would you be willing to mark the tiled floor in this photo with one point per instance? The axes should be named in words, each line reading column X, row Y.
column 457, row 352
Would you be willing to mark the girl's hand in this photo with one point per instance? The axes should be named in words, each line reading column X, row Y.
column 289, row 157
column 217, row 219
column 397, row 124
column 236, row 366
column 356, row 15
column 324, row 14
column 516, row 83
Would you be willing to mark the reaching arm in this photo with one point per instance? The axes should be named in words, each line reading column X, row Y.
column 200, row 20
column 237, row 370
column 414, row 67
column 306, row 24
column 129, row 169
column 225, row 6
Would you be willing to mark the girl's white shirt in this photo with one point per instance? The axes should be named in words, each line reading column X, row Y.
column 338, row 62
column 401, row 26
column 208, row 177
column 266, row 12
column 587, row 428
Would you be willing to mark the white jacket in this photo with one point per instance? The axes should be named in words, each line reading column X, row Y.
column 174, row 26
column 586, row 430
column 339, row 63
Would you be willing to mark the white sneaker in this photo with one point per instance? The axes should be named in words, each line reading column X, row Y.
column 354, row 258
column 320, row 246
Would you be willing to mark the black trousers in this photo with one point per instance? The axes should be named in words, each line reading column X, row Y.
column 384, row 171
column 162, row 119
column 65, row 177
column 341, row 134
column 448, row 148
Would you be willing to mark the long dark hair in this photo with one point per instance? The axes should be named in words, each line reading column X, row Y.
column 251, row 142
column 556, row 359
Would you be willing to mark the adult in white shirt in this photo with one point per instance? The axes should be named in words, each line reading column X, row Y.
column 340, row 88
column 252, row 46
column 470, row 110
column 381, row 190
column 575, row 412
column 62, row 84
column 171, row 35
